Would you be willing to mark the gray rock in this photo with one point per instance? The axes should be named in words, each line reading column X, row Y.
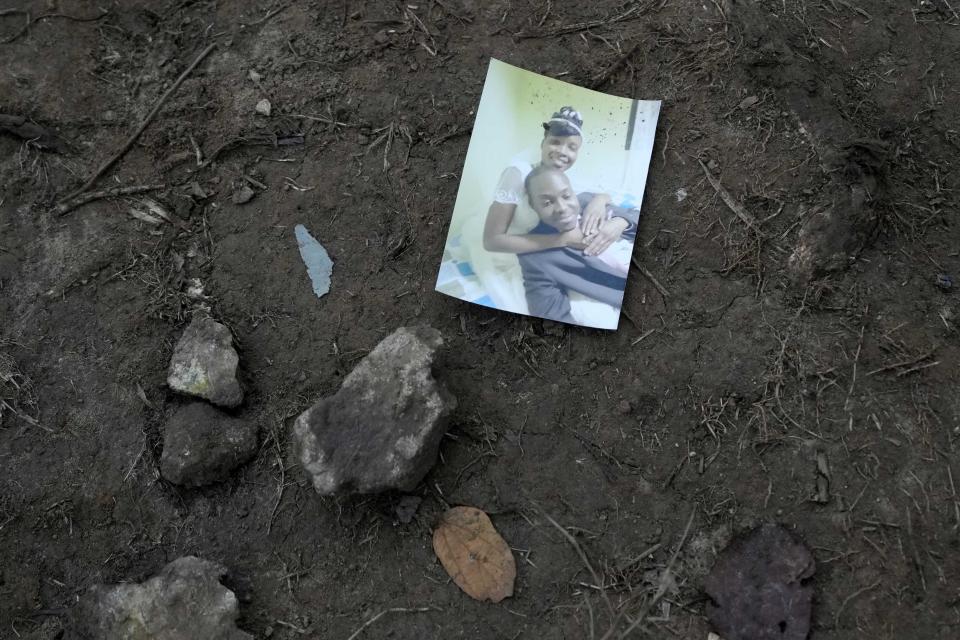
column 185, row 601
column 204, row 364
column 382, row 429
column 203, row 445
column 759, row 587
column 243, row 195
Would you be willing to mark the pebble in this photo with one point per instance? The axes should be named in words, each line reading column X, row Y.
column 264, row 108
column 243, row 195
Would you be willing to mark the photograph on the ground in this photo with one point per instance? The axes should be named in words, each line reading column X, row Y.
column 549, row 200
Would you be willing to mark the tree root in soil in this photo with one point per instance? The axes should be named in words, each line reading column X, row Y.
column 143, row 125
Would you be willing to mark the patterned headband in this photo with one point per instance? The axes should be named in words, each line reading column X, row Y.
column 567, row 117
column 569, row 123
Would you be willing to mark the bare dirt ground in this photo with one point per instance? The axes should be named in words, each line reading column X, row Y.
column 736, row 394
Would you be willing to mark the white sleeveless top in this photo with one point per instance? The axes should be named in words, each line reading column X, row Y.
column 510, row 190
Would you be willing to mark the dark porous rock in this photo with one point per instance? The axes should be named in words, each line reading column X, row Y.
column 757, row 587
column 382, row 429
column 203, row 445
column 204, row 364
column 185, row 601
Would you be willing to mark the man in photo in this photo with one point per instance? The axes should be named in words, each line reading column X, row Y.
column 590, row 265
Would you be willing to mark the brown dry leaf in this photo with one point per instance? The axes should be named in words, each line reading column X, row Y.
column 474, row 554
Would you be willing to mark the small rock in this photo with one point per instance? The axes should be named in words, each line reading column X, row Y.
column 625, row 407
column 407, row 508
column 204, row 364
column 713, row 165
column 243, row 195
column 185, row 601
column 194, row 289
column 203, row 445
column 944, row 282
column 382, row 429
column 197, row 191
column 757, row 588
column 746, row 103
column 263, row 107
column 682, row 195
column 254, row 76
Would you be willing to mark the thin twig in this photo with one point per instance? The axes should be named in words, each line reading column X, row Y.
column 664, row 580
column 31, row 22
column 604, row 75
column 952, row 10
column 143, row 125
column 133, row 466
column 917, row 368
column 642, row 338
column 583, row 557
column 856, row 360
column 663, row 291
column 735, row 206
column 25, row 417
column 846, row 601
column 385, row 612
column 67, row 206
column 903, row 363
column 336, row 123
column 632, row 13
column 269, row 15
column 953, row 490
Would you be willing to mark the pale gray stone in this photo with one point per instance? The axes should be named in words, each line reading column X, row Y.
column 204, row 364
column 382, row 429
column 185, row 601
column 203, row 445
column 243, row 195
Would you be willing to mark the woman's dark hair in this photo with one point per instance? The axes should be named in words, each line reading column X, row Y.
column 566, row 122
